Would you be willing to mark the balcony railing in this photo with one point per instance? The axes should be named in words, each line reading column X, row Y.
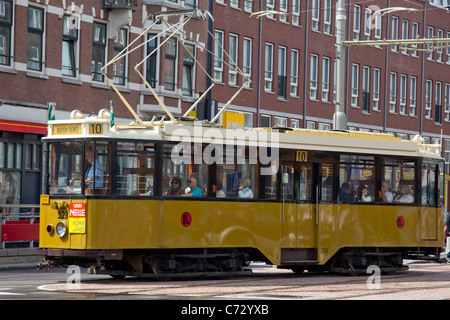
column 120, row 4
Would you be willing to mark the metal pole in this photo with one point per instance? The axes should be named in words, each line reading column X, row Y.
column 339, row 117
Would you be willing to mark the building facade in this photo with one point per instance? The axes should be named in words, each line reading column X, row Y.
column 51, row 53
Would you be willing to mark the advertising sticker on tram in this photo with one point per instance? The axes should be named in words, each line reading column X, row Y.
column 77, row 217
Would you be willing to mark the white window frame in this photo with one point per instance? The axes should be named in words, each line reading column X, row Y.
column 366, row 87
column 270, row 6
column 356, row 21
column 430, row 35
column 439, row 50
column 376, row 89
column 233, row 58
column 447, row 102
column 414, row 35
column 282, row 55
column 392, row 92
column 296, row 12
column 355, row 84
column 268, row 67
column 405, row 32
column 248, row 6
column 218, row 55
column 327, row 17
column 313, row 77
column 428, row 98
column 325, row 79
column 284, row 9
column 315, row 15
column 394, row 33
column 403, row 90
column 367, row 23
column 247, row 59
column 412, row 96
column 295, row 54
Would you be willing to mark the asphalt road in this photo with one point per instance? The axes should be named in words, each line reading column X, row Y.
column 423, row 281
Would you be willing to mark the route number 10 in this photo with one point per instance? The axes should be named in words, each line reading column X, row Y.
column 96, row 128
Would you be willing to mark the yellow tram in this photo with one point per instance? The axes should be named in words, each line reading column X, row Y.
column 294, row 198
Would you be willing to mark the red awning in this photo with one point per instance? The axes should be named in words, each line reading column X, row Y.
column 26, row 127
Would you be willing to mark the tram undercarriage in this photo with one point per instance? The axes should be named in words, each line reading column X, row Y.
column 217, row 262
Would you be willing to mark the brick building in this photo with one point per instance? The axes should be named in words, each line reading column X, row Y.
column 51, row 51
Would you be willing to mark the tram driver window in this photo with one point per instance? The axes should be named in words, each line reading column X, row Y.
column 65, row 167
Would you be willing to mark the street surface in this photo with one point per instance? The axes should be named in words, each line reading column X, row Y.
column 423, row 281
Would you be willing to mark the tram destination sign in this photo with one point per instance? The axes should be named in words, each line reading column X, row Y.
column 66, row 129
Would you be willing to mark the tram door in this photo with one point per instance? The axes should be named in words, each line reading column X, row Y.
column 298, row 205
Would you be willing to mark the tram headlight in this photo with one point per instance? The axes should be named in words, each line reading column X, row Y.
column 61, row 229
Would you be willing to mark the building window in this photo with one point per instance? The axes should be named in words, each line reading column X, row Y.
column 295, row 123
column 218, row 56
column 356, row 22
column 247, row 59
column 152, row 60
column 447, row 104
column 428, row 98
column 296, row 12
column 355, row 84
column 313, row 77
column 393, row 92
column 265, row 121
column 327, row 17
column 439, row 50
column 170, row 65
column 325, row 79
column 294, row 73
column 282, row 72
column 69, row 47
column 378, row 17
column 430, row 36
column 190, row 4
column 367, row 23
column 414, row 35
column 438, row 103
column 268, row 69
column 283, row 8
column 412, row 96
column 366, row 89
column 233, row 55
column 35, row 38
column 405, row 26
column 394, row 34
column 248, row 5
column 270, row 6
column 98, row 51
column 188, row 69
column 403, row 82
column 315, row 12
column 376, row 89
column 280, row 122
column 5, row 32
column 234, row 4
column 120, row 66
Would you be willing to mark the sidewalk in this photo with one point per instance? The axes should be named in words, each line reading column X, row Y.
column 19, row 258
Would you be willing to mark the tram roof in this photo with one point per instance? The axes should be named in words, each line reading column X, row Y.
column 202, row 132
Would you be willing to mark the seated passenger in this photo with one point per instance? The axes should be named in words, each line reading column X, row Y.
column 219, row 191
column 244, row 189
column 405, row 195
column 194, row 190
column 365, row 196
column 175, row 188
column 345, row 194
column 386, row 195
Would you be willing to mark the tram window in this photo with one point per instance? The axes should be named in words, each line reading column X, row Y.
column 428, row 186
column 357, row 182
column 135, row 169
column 327, row 182
column 287, row 182
column 97, row 168
column 182, row 163
column 238, row 179
column 401, row 181
column 65, row 167
column 305, row 182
